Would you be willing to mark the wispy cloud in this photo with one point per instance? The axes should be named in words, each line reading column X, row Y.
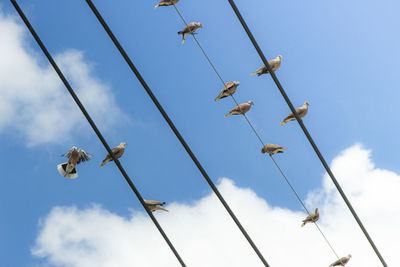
column 33, row 100
column 205, row 236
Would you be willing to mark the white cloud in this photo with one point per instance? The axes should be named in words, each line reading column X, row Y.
column 205, row 236
column 33, row 99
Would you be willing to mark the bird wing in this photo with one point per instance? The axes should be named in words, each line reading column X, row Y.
column 68, row 154
column 83, row 156
column 153, row 202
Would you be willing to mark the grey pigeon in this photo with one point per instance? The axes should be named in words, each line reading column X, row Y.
column 118, row 152
column 154, row 205
column 272, row 149
column 302, row 111
column 229, row 89
column 190, row 29
column 341, row 262
column 166, row 3
column 273, row 63
column 240, row 109
column 313, row 217
column 75, row 156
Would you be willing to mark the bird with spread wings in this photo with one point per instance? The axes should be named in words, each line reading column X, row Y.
column 75, row 156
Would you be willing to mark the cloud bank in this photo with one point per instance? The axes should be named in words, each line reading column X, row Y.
column 33, row 100
column 205, row 236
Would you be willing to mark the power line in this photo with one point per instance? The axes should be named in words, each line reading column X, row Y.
column 303, row 127
column 94, row 127
column 257, row 135
column 174, row 129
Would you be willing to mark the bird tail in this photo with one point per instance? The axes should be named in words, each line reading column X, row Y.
column 218, row 97
column 280, row 151
column 157, row 6
column 164, row 209
column 302, row 225
column 227, row 115
column 283, row 122
column 105, row 161
column 254, row 73
column 62, row 169
column 183, row 37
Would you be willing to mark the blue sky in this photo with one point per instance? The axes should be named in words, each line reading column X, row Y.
column 342, row 57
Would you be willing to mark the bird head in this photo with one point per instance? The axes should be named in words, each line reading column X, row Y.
column 251, row 103
column 279, row 57
column 236, row 83
column 74, row 148
column 306, row 104
column 264, row 150
column 316, row 210
column 199, row 25
column 349, row 256
column 123, row 144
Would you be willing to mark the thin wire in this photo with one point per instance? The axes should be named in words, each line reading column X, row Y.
column 94, row 127
column 257, row 135
column 174, row 129
column 303, row 127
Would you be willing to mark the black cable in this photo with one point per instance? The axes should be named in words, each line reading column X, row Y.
column 173, row 128
column 303, row 127
column 99, row 135
column 257, row 135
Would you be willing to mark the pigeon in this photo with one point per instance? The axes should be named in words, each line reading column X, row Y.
column 302, row 111
column 313, row 217
column 229, row 89
column 75, row 156
column 118, row 152
column 341, row 262
column 154, row 205
column 240, row 109
column 166, row 3
column 274, row 64
column 190, row 29
column 272, row 149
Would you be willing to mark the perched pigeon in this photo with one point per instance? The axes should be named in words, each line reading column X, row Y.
column 241, row 109
column 190, row 29
column 273, row 63
column 155, row 205
column 313, row 217
column 118, row 152
column 166, row 3
column 229, row 89
column 341, row 262
column 302, row 111
column 75, row 156
column 272, row 149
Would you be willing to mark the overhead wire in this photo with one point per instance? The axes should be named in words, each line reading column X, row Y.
column 174, row 129
column 95, row 129
column 256, row 133
column 307, row 134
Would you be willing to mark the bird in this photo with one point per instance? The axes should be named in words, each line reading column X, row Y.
column 229, row 89
column 118, row 152
column 272, row 149
column 313, row 217
column 240, row 109
column 190, row 29
column 75, row 156
column 341, row 262
column 154, row 205
column 273, row 63
column 302, row 111
column 166, row 3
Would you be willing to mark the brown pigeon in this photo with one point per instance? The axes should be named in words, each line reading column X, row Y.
column 154, row 205
column 272, row 149
column 229, row 89
column 190, row 29
column 341, row 262
column 75, row 156
column 273, row 63
column 313, row 217
column 302, row 111
column 240, row 109
column 166, row 3
column 118, row 152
